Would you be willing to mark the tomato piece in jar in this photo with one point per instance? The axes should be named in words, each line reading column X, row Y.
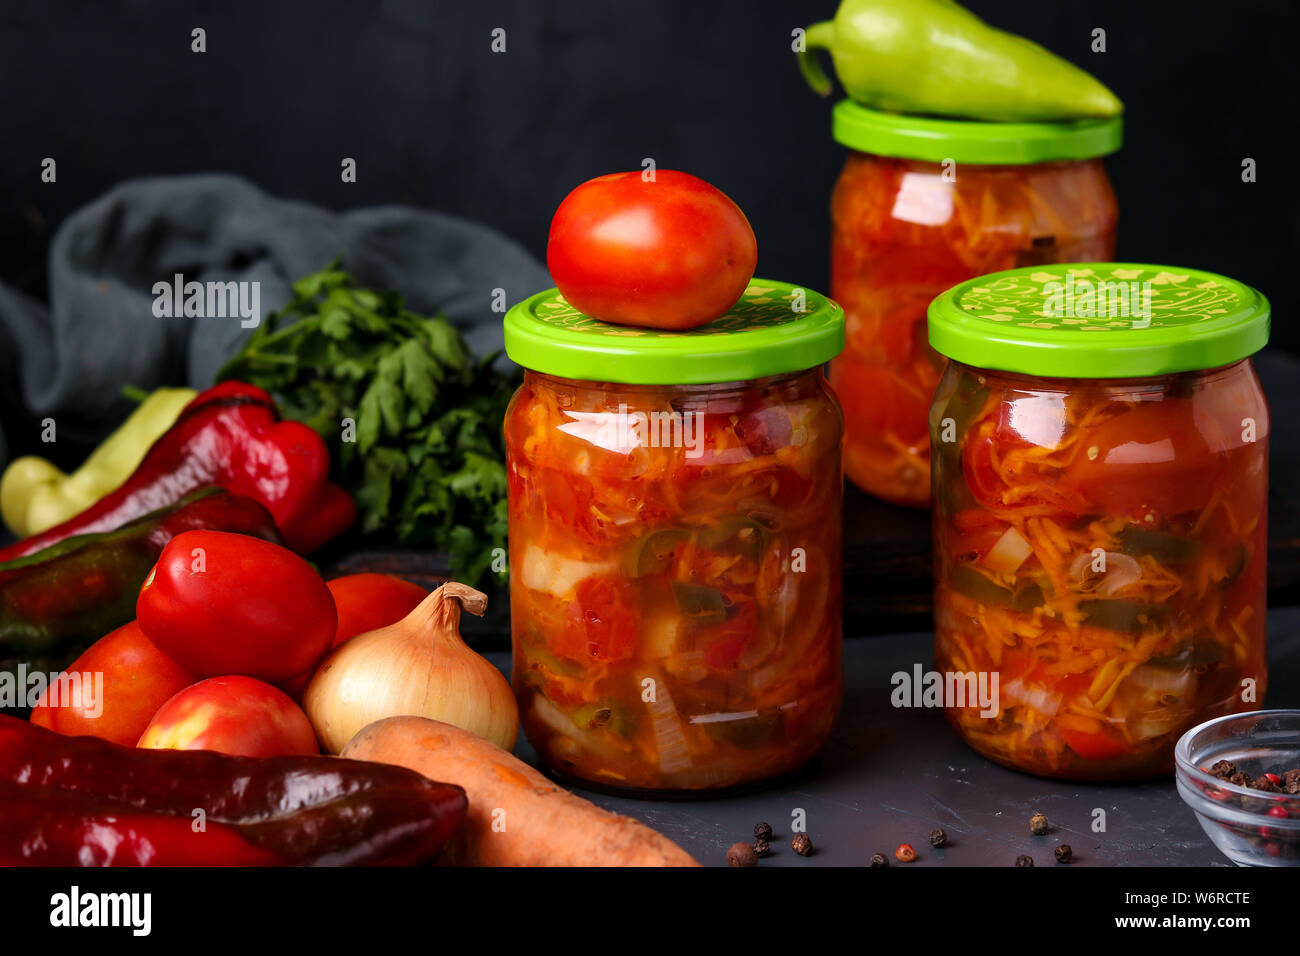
column 1094, row 746
column 974, row 534
column 725, row 643
column 602, row 621
column 1151, row 457
column 1000, row 463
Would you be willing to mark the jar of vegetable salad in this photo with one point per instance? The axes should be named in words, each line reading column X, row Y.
column 1100, row 452
column 674, row 516
column 921, row 205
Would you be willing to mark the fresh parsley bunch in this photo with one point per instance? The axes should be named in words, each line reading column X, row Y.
column 425, row 463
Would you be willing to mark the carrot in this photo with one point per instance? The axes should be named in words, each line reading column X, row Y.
column 516, row 816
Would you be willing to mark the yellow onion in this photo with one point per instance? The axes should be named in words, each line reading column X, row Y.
column 418, row 667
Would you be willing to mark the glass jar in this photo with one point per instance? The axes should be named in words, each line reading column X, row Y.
column 675, row 543
column 1100, row 533
column 921, row 205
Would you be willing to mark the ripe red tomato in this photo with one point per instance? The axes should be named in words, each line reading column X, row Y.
column 234, row 715
column 137, row 680
column 220, row 603
column 367, row 602
column 673, row 253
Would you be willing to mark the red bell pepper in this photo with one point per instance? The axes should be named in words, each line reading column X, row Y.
column 230, row 436
column 82, row 801
column 56, row 602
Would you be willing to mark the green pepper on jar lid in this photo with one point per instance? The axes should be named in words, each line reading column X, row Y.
column 934, row 57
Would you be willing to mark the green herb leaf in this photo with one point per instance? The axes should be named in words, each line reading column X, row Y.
column 427, row 464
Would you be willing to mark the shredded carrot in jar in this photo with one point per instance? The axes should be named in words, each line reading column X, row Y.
column 676, row 610
column 885, row 270
column 1138, row 610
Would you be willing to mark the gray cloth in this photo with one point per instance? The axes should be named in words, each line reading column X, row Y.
column 100, row 333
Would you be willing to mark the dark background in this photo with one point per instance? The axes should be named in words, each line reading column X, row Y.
column 412, row 91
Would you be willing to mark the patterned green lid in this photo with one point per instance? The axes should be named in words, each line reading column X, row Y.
column 774, row 328
column 1099, row 320
column 971, row 141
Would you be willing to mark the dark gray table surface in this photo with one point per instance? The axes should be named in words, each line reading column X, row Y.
column 889, row 776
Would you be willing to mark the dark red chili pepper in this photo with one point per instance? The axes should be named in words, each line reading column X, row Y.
column 230, row 436
column 57, row 602
column 82, row 801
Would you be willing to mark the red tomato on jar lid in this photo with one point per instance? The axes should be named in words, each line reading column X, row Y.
column 670, row 253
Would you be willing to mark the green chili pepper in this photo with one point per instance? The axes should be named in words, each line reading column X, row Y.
column 1190, row 655
column 57, row 602
column 966, row 399
column 1165, row 548
column 735, row 534
column 536, row 656
column 1027, row 598
column 936, row 57
column 745, row 535
column 1129, row 617
column 966, row 580
column 653, row 553
column 700, row 605
column 1236, row 565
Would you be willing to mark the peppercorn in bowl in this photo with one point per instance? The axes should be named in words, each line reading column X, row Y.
column 1241, row 775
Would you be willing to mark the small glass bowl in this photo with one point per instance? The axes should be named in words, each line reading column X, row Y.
column 1251, row 827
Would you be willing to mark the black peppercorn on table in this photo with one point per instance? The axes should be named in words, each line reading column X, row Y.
column 891, row 775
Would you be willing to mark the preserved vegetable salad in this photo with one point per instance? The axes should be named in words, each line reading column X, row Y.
column 1100, row 543
column 909, row 221
column 675, row 549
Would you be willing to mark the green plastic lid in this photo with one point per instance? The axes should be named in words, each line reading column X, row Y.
column 775, row 328
column 1099, row 320
column 970, row 141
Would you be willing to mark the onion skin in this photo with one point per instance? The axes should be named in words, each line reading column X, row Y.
column 417, row 667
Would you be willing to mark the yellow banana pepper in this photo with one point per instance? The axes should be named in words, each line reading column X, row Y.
column 36, row 495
